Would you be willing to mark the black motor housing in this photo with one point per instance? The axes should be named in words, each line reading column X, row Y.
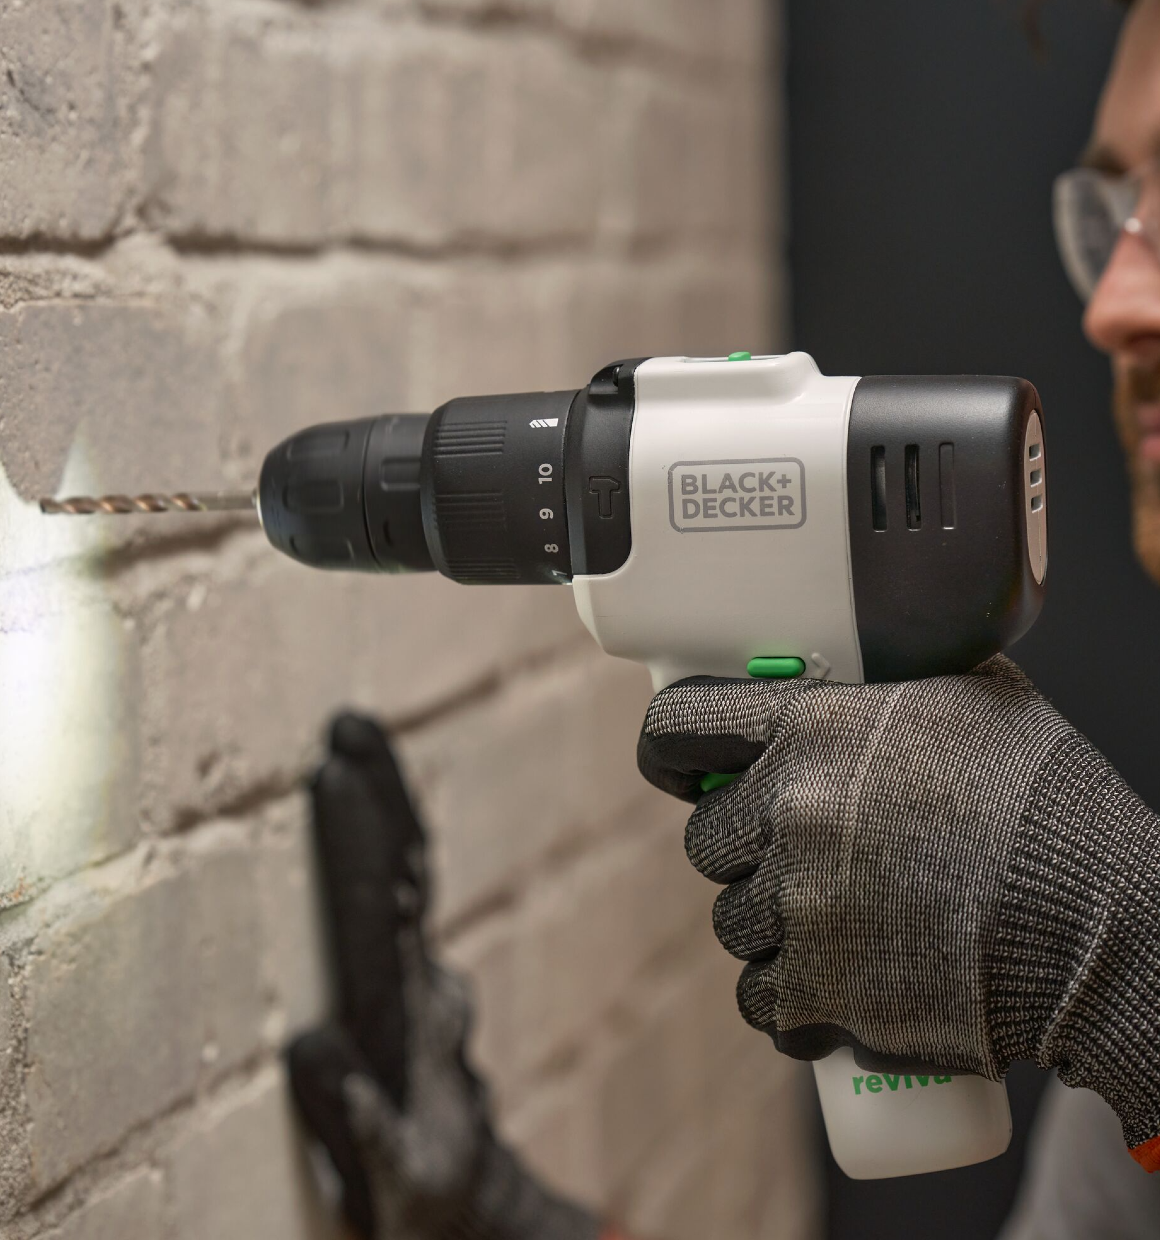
column 938, row 481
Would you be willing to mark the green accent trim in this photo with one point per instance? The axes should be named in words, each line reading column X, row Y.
column 710, row 783
column 775, row 668
column 743, row 356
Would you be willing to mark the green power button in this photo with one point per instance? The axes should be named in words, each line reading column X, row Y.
column 741, row 357
column 775, row 669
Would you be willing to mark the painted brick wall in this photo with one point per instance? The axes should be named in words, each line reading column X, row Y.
column 221, row 220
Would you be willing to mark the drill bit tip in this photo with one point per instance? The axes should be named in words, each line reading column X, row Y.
column 129, row 505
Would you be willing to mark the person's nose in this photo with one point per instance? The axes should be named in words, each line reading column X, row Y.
column 1123, row 315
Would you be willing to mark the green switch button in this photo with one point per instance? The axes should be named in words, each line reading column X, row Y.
column 775, row 669
column 741, row 357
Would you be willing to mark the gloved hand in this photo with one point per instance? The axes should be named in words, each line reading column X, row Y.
column 941, row 873
column 386, row 1087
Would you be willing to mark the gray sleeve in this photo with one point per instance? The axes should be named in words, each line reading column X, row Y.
column 1081, row 1183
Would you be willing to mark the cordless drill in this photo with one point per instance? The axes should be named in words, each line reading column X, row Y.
column 740, row 516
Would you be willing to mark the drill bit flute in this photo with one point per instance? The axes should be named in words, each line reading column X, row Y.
column 129, row 505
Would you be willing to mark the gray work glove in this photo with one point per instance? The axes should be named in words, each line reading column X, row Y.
column 386, row 1087
column 942, row 872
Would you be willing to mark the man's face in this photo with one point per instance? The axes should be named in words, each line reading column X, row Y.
column 1123, row 316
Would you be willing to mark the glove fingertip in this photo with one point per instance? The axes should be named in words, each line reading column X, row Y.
column 357, row 736
column 363, row 1101
column 318, row 1063
column 677, row 763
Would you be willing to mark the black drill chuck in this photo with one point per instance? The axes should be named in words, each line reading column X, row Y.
column 345, row 495
column 521, row 489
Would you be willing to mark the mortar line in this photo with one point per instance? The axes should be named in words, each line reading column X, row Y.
column 102, row 1169
column 553, row 863
column 595, row 46
column 455, row 247
column 591, row 46
column 269, row 792
column 615, row 1020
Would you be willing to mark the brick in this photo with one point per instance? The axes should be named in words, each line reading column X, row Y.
column 488, row 327
column 113, row 1024
column 733, row 33
column 785, row 1193
column 627, row 310
column 243, row 675
column 598, row 926
column 415, row 137
column 293, row 934
column 555, row 1134
column 108, row 390
column 239, row 1172
column 547, row 117
column 131, row 998
column 694, row 159
column 745, row 1169
column 660, row 159
column 15, row 1167
column 217, row 165
column 181, row 172
column 550, row 759
column 70, row 742
column 579, row 941
column 333, row 343
column 226, row 932
column 721, row 303
column 132, row 1210
column 668, row 1072
column 693, row 306
column 65, row 119
column 416, row 123
column 755, row 213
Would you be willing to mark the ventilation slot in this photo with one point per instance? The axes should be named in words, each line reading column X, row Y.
column 946, row 485
column 878, row 486
column 913, row 505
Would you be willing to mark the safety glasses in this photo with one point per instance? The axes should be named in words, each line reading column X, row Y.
column 1092, row 208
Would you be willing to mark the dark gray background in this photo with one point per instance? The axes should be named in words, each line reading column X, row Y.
column 923, row 139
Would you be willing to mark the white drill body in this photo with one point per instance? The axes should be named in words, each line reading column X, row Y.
column 765, row 440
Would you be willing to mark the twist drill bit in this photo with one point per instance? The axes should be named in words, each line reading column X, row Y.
column 128, row 505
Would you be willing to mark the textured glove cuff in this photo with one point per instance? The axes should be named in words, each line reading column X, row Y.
column 1074, row 961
